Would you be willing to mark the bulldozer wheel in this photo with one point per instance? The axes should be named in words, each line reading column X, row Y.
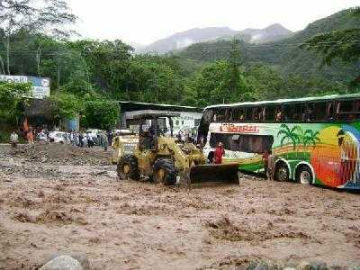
column 164, row 172
column 127, row 168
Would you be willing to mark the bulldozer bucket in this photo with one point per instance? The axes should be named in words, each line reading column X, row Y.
column 225, row 173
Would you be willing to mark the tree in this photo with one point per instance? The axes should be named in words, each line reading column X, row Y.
column 12, row 95
column 100, row 113
column 342, row 44
column 32, row 16
column 237, row 87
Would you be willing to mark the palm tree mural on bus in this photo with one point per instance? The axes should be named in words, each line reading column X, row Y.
column 310, row 137
column 288, row 135
column 297, row 136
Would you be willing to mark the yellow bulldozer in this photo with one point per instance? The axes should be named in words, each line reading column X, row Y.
column 162, row 159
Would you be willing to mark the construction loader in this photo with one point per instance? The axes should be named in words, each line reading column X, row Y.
column 162, row 159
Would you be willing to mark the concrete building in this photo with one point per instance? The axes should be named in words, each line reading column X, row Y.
column 189, row 116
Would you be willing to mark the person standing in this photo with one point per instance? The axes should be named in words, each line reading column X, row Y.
column 219, row 153
column 265, row 159
column 110, row 137
column 30, row 136
column 14, row 139
column 90, row 140
column 271, row 165
column 105, row 141
column 81, row 142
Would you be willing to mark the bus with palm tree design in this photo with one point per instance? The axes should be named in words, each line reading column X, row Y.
column 314, row 140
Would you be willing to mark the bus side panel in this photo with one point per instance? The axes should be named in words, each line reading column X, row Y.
column 331, row 150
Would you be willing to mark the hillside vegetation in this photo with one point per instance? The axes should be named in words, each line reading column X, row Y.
column 286, row 56
column 89, row 76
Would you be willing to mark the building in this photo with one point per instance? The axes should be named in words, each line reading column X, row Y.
column 189, row 116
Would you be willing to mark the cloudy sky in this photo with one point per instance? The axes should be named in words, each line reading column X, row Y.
column 145, row 21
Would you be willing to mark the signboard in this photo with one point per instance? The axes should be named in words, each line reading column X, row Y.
column 40, row 86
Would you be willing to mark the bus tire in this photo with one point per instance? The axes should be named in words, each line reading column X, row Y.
column 281, row 172
column 304, row 175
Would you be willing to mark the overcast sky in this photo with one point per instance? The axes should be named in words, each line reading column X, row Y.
column 145, row 21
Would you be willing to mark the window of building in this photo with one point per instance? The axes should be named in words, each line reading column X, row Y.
column 243, row 142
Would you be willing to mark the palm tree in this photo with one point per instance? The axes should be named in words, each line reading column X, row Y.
column 311, row 137
column 289, row 135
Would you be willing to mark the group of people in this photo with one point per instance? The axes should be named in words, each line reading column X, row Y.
column 74, row 138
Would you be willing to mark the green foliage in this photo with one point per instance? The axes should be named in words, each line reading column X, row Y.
column 219, row 82
column 285, row 56
column 12, row 98
column 89, row 76
column 98, row 113
column 343, row 44
column 11, row 94
column 67, row 105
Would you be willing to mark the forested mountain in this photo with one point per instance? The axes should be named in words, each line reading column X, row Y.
column 184, row 39
column 271, row 33
column 88, row 77
column 285, row 55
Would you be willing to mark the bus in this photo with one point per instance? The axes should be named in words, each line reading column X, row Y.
column 313, row 140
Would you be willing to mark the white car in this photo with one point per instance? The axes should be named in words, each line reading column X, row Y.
column 58, row 137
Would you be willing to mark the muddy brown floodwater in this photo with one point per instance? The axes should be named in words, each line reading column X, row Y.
column 54, row 198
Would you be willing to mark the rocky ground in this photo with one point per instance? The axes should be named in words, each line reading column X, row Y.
column 55, row 198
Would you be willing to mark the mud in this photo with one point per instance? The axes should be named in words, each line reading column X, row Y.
column 72, row 202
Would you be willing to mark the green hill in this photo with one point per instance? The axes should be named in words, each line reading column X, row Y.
column 285, row 55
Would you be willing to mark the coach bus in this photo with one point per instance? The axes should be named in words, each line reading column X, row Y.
column 315, row 140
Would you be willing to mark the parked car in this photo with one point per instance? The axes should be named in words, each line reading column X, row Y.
column 58, row 137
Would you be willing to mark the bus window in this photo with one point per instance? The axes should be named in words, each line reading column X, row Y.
column 269, row 113
column 317, row 111
column 345, row 110
column 243, row 142
column 279, row 116
column 330, row 110
column 219, row 115
column 208, row 116
column 257, row 115
column 248, row 114
column 239, row 114
column 294, row 112
column 229, row 115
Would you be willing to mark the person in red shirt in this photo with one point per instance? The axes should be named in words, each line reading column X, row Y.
column 219, row 153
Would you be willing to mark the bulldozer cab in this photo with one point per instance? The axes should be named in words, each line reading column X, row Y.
column 149, row 134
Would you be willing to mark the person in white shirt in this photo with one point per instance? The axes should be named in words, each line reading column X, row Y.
column 14, row 139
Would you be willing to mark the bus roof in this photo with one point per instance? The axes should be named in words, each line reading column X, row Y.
column 281, row 101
